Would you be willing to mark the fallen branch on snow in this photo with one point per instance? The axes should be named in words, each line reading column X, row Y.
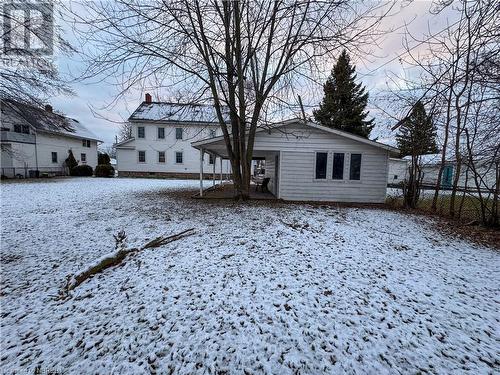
column 118, row 256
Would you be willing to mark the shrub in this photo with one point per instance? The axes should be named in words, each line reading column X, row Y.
column 81, row 170
column 70, row 161
column 104, row 170
column 103, row 158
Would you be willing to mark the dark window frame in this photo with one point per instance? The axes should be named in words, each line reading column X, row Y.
column 211, row 159
column 338, row 174
column 177, row 154
column 54, row 157
column 139, row 153
column 320, row 174
column 161, row 133
column 141, row 132
column 83, row 157
column 160, row 154
column 179, row 133
column 355, row 169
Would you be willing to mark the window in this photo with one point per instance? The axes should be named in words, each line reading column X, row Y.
column 338, row 166
column 395, row 176
column 26, row 129
column 321, row 160
column 161, row 156
column 212, row 133
column 161, row 133
column 355, row 170
column 83, row 158
column 178, row 157
column 142, row 156
column 85, row 143
column 140, row 132
column 211, row 159
column 178, row 133
column 54, row 157
column 18, row 128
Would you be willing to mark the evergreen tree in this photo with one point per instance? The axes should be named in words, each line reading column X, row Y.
column 344, row 103
column 416, row 137
column 70, row 160
column 417, row 133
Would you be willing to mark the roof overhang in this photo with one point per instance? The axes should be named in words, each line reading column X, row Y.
column 215, row 142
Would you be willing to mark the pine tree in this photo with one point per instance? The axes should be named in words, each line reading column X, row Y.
column 70, row 160
column 344, row 103
column 417, row 133
column 416, row 137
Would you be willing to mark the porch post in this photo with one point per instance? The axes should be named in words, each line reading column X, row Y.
column 213, row 174
column 221, row 171
column 201, row 172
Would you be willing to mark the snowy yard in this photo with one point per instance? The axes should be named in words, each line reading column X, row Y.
column 263, row 288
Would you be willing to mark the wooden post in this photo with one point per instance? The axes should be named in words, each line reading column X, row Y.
column 221, row 171
column 213, row 174
column 201, row 172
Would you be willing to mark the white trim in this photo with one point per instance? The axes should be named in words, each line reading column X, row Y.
column 157, row 131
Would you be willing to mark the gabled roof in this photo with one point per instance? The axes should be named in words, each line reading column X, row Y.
column 45, row 121
column 177, row 112
column 310, row 124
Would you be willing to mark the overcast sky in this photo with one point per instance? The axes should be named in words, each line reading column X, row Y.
column 94, row 106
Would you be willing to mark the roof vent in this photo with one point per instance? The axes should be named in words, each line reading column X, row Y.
column 148, row 98
column 48, row 108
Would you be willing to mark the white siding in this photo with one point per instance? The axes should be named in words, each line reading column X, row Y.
column 23, row 154
column 398, row 168
column 127, row 155
column 298, row 148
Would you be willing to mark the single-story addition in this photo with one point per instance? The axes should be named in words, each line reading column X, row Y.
column 310, row 162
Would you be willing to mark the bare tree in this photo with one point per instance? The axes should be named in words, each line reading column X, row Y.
column 246, row 56
column 125, row 132
column 459, row 79
column 28, row 72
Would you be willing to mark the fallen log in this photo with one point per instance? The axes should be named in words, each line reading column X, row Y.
column 113, row 259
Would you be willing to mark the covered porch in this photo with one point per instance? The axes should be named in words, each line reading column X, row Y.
column 223, row 189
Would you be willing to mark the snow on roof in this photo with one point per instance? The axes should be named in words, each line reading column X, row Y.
column 429, row 159
column 43, row 120
column 177, row 112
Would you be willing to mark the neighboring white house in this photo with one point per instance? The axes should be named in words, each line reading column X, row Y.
column 398, row 171
column 430, row 165
column 309, row 162
column 161, row 144
column 37, row 141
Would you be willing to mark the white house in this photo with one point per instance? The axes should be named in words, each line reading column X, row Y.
column 37, row 141
column 161, row 142
column 430, row 165
column 309, row 162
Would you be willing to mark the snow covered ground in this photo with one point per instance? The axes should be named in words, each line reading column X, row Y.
column 260, row 288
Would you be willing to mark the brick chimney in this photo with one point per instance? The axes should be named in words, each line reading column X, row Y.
column 148, row 98
column 48, row 107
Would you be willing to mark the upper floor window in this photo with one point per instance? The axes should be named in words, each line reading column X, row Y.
column 86, row 143
column 179, row 157
column 178, row 133
column 161, row 156
column 83, row 158
column 141, row 156
column 338, row 166
column 161, row 133
column 140, row 132
column 355, row 169
column 321, row 161
column 54, row 157
column 22, row 129
column 212, row 133
column 211, row 159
